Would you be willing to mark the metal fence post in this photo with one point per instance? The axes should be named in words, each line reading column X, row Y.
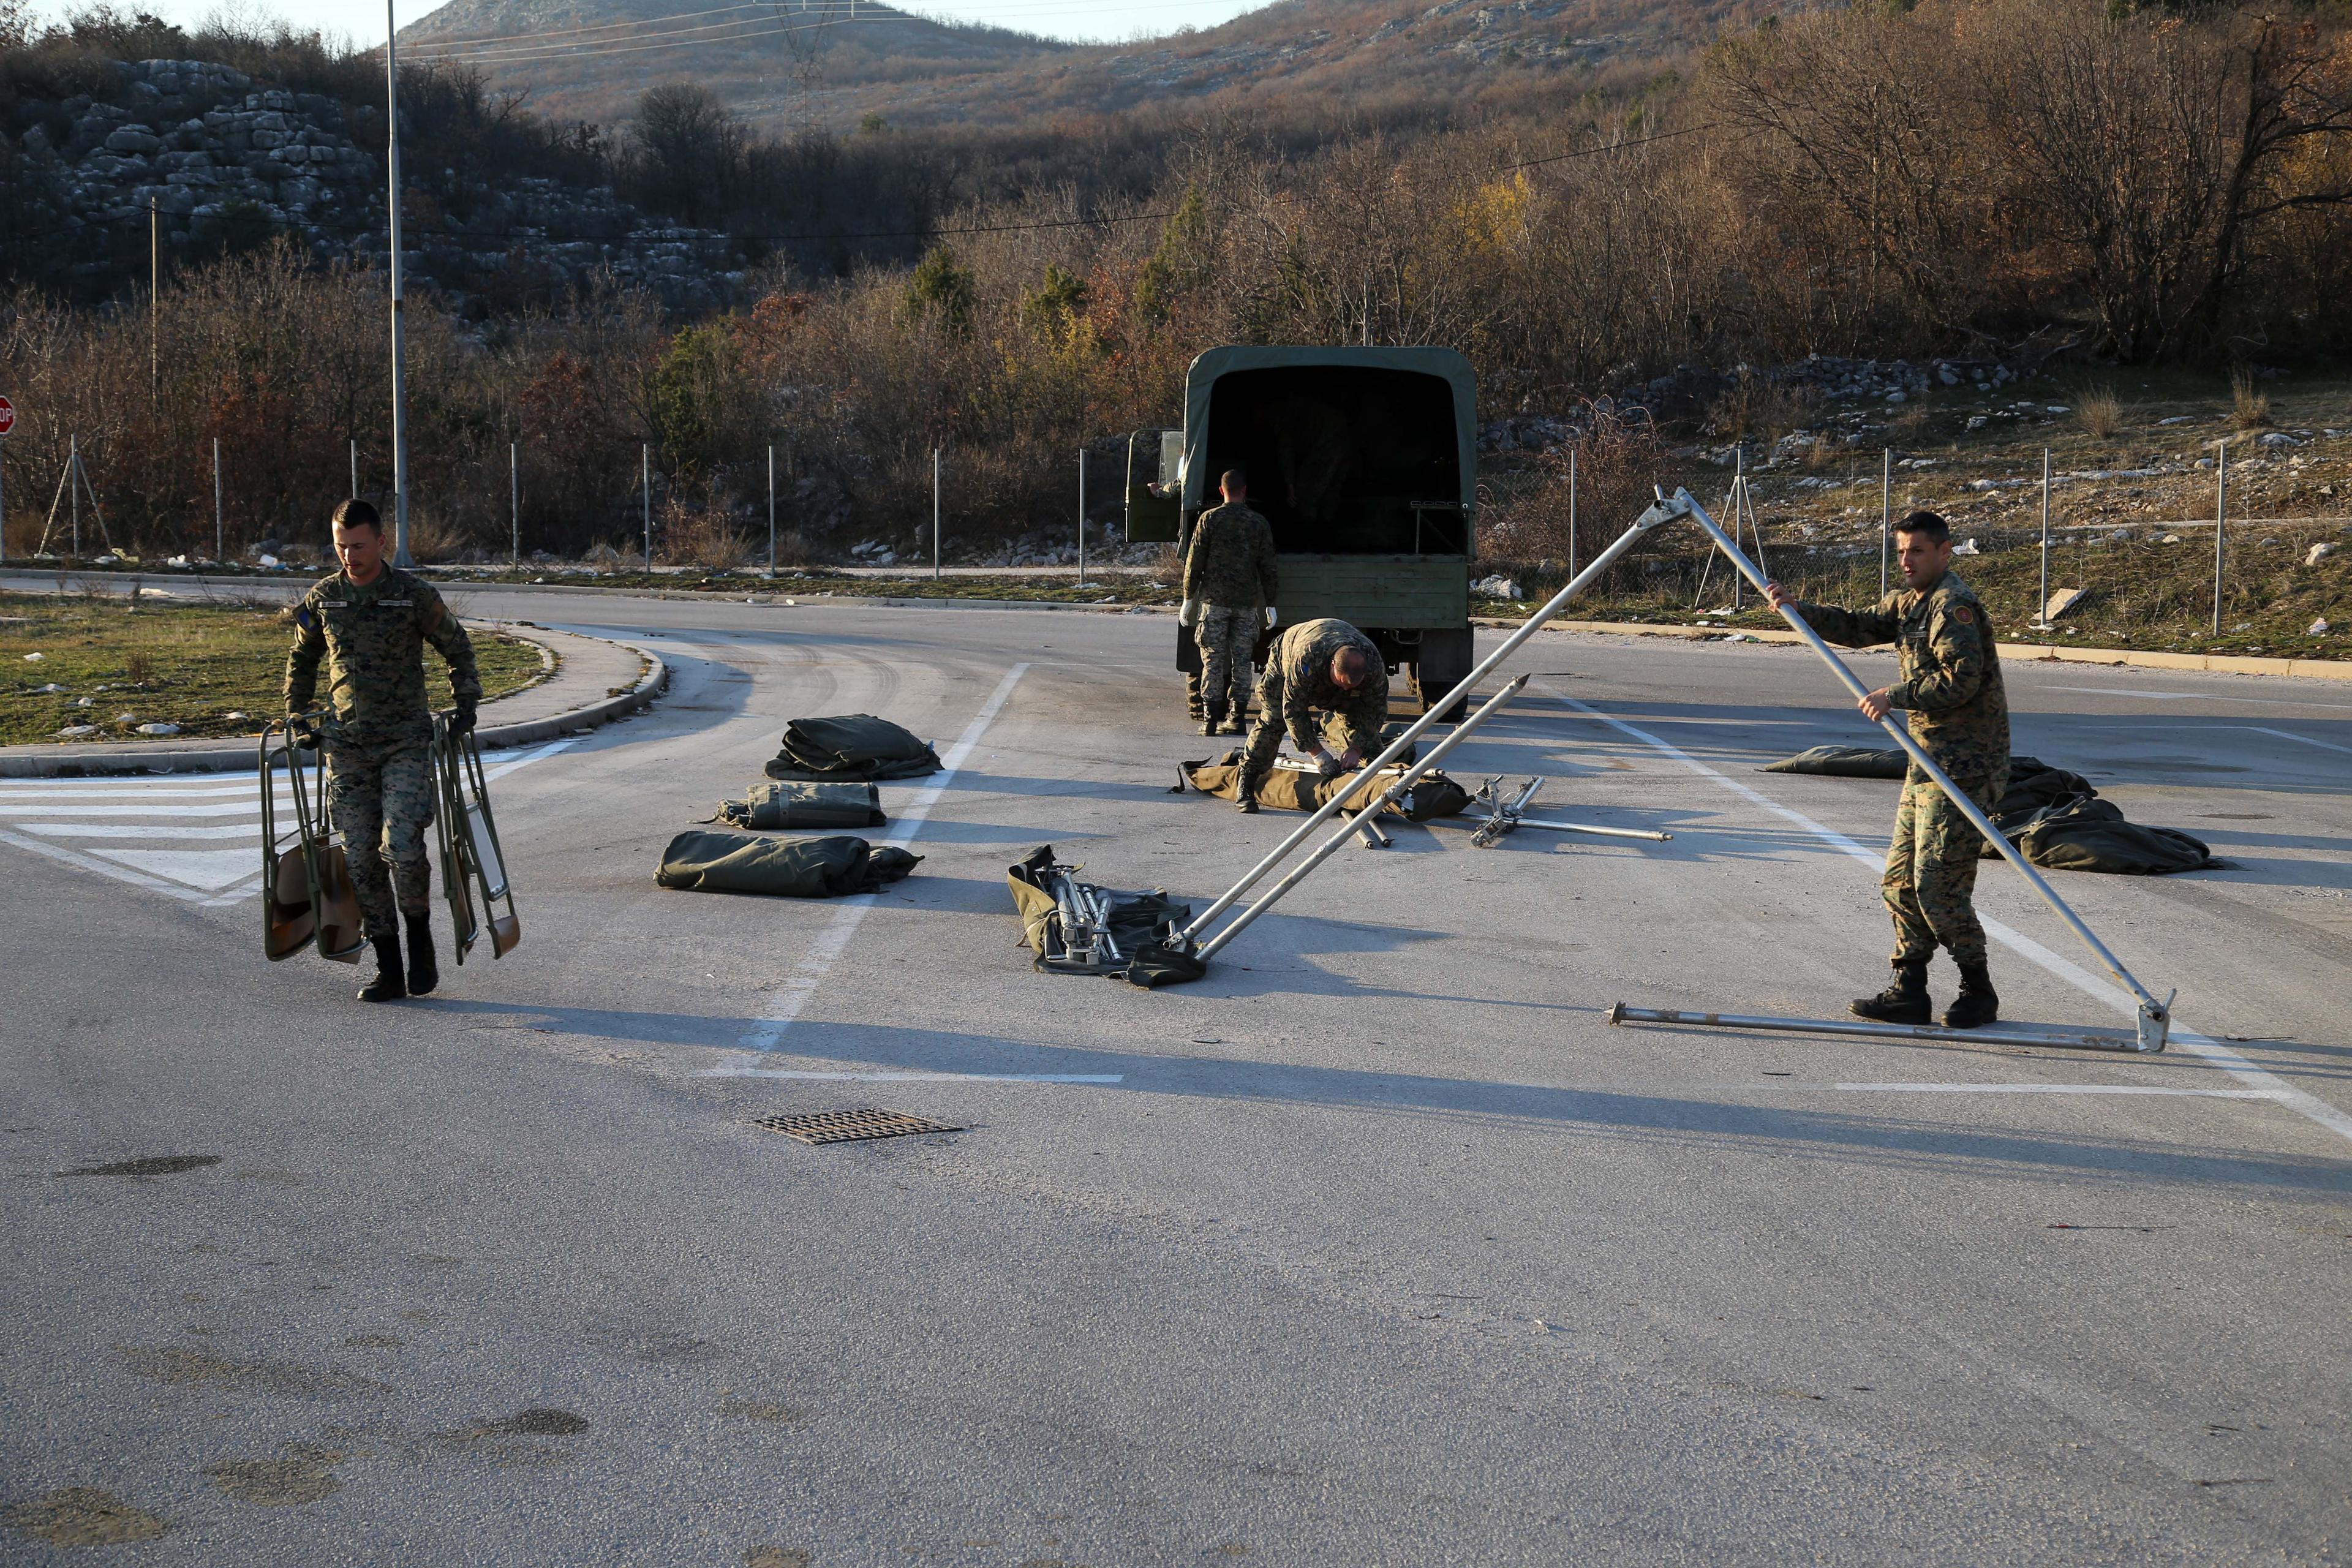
column 771, row 509
column 514, row 499
column 355, row 470
column 1738, row 499
column 935, row 514
column 1082, row 516
column 645, row 460
column 1885, row 512
column 73, row 483
column 2220, row 527
column 220, row 533
column 1571, row 512
column 2042, row 618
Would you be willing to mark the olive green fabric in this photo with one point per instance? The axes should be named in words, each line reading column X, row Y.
column 1294, row 789
column 1844, row 763
column 855, row 746
column 802, row 806
column 1141, row 921
column 705, row 862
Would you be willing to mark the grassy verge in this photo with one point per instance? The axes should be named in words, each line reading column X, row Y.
column 213, row 669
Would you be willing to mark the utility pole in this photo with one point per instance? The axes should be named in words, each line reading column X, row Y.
column 355, row 470
column 1082, row 516
column 645, row 457
column 1571, row 512
column 400, row 556
column 154, row 306
column 514, row 498
column 935, row 514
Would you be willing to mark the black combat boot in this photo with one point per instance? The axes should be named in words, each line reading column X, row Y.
column 1977, row 1004
column 387, row 985
column 1238, row 722
column 1904, row 1001
column 1214, row 721
column 1245, row 796
column 424, row 973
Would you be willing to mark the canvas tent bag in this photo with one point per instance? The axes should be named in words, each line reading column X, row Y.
column 857, row 746
column 707, row 862
column 802, row 806
column 1304, row 789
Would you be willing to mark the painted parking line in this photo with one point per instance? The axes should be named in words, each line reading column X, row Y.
column 784, row 1003
column 814, row 1077
column 2057, row 1088
column 2190, row 1043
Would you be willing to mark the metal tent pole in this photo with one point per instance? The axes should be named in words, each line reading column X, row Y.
column 1658, row 514
column 2155, row 1016
column 1330, row 846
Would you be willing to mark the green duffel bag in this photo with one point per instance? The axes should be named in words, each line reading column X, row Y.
column 705, row 862
column 798, row 806
column 854, row 746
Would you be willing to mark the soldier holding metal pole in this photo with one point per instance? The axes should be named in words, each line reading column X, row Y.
column 1229, row 581
column 371, row 621
column 1959, row 713
column 1314, row 669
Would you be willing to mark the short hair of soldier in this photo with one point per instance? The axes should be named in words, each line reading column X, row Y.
column 1233, row 480
column 1351, row 665
column 357, row 514
column 1927, row 525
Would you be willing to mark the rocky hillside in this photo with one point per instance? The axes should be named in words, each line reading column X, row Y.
column 228, row 164
column 818, row 66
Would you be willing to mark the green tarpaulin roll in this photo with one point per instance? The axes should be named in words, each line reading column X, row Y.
column 1844, row 763
column 788, row 806
column 706, row 862
column 853, row 747
column 1295, row 789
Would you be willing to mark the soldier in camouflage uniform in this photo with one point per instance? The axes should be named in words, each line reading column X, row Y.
column 1317, row 667
column 370, row 622
column 1229, row 581
column 1951, row 690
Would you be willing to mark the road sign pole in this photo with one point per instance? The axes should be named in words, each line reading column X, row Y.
column 1082, row 517
column 220, row 538
column 3, row 500
column 771, row 511
column 645, row 457
column 514, row 498
column 935, row 514
column 2220, row 527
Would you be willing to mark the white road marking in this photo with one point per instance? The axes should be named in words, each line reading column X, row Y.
column 916, row 1077
column 2286, row 736
column 194, row 875
column 785, row 1004
column 2190, row 696
column 2074, row 974
column 2056, row 1089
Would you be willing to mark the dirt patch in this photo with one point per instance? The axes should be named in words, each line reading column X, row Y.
column 84, row 1516
column 187, row 1367
column 279, row 1483
column 158, row 1165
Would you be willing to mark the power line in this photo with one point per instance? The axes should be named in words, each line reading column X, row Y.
column 423, row 44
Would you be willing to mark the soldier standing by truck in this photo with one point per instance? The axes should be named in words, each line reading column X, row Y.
column 1951, row 688
column 370, row 622
column 1229, row 581
column 1316, row 667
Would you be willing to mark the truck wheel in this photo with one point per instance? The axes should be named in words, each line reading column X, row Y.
column 1445, row 658
column 1429, row 691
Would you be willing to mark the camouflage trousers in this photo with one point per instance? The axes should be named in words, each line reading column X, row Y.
column 1227, row 638
column 383, row 799
column 1931, row 871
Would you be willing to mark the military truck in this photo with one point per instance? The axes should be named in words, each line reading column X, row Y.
column 1364, row 461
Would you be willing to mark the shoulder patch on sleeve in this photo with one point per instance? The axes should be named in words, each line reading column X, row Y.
column 1963, row 615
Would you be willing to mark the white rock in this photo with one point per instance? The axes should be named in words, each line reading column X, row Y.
column 1967, row 547
column 2319, row 627
column 1896, row 397
column 2176, row 419
column 1498, row 587
column 45, row 691
column 2057, row 408
column 159, row 729
column 269, row 561
column 34, row 657
column 76, row 731
column 2318, row 553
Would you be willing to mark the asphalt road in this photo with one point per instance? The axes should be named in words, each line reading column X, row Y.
column 1378, row 1247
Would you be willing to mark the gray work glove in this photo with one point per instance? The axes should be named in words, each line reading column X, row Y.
column 1327, row 766
column 1189, row 612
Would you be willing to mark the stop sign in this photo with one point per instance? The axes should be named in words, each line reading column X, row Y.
column 7, row 416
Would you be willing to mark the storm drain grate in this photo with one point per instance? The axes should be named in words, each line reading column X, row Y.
column 849, row 1126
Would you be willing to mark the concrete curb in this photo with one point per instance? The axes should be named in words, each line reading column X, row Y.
column 754, row 589
column 2027, row 652
column 222, row 757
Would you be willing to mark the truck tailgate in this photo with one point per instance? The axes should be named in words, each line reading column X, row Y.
column 1401, row 592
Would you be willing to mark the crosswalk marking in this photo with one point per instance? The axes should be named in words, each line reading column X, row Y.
column 167, row 846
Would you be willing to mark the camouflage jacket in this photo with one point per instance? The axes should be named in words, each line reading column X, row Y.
column 1951, row 671
column 374, row 640
column 1230, row 561
column 1301, row 657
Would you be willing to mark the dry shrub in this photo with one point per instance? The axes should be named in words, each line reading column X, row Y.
column 1758, row 408
column 2100, row 410
column 431, row 537
column 700, row 534
column 2250, row 406
column 1619, row 460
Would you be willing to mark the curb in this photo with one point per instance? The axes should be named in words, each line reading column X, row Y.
column 2023, row 652
column 236, row 757
column 757, row 590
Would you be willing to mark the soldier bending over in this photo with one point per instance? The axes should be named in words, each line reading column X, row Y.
column 1229, row 581
column 371, row 622
column 1959, row 714
column 1325, row 667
